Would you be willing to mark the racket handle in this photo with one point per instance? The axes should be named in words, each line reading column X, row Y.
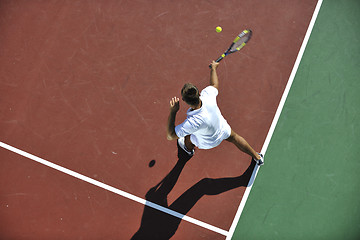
column 217, row 60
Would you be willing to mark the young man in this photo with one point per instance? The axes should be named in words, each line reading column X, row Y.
column 204, row 126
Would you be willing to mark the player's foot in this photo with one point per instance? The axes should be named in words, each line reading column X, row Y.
column 181, row 144
column 260, row 161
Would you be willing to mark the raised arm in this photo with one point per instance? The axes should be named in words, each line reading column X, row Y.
column 214, row 81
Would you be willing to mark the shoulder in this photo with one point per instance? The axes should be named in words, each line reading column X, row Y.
column 209, row 91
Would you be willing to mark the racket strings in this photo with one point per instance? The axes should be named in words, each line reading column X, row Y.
column 237, row 45
column 241, row 40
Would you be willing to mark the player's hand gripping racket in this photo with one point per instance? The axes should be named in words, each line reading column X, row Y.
column 239, row 42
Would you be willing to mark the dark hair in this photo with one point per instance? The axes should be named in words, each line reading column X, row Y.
column 190, row 94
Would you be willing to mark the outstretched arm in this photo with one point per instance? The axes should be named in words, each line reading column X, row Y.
column 174, row 108
column 214, row 81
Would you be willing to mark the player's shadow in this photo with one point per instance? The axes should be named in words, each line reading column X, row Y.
column 157, row 225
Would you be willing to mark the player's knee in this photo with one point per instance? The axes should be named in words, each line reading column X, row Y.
column 232, row 137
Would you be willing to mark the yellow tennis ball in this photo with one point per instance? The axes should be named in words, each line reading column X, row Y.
column 218, row 29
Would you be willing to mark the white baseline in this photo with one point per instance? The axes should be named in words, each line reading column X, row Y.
column 112, row 189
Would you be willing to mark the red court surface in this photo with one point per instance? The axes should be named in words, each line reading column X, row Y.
column 86, row 85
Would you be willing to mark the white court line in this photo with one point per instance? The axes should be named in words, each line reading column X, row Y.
column 276, row 118
column 112, row 189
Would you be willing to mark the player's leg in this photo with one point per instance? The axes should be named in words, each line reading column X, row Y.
column 242, row 144
column 189, row 145
column 186, row 145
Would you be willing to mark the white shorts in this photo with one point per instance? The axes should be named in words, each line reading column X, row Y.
column 225, row 134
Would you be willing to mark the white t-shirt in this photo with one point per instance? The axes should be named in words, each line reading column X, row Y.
column 206, row 126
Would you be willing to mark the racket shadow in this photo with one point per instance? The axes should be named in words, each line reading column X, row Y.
column 158, row 225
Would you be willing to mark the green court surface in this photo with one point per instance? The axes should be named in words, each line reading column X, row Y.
column 309, row 187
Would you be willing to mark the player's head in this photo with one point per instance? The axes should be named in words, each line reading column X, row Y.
column 190, row 94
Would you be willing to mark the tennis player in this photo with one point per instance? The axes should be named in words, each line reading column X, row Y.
column 204, row 126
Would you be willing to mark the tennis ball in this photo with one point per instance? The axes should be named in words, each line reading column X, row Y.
column 218, row 29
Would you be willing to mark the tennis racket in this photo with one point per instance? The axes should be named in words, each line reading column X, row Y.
column 239, row 42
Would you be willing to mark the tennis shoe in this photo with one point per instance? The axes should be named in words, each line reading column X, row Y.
column 181, row 144
column 260, row 161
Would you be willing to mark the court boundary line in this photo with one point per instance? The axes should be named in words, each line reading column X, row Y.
column 275, row 119
column 113, row 189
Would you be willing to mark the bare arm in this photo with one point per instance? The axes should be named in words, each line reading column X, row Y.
column 214, row 81
column 174, row 108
